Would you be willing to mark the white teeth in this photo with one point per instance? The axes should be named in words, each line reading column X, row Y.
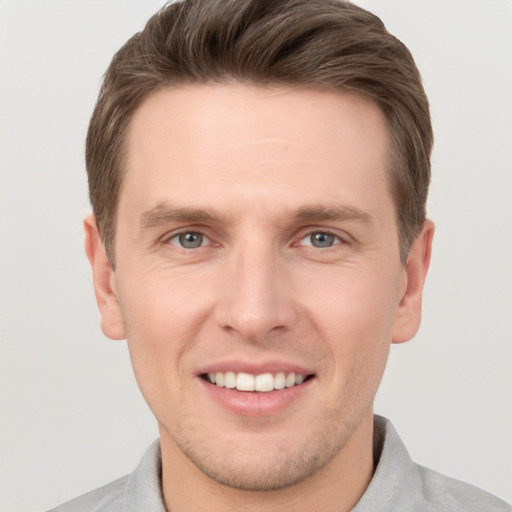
column 229, row 380
column 263, row 382
column 245, row 382
column 280, row 380
column 299, row 379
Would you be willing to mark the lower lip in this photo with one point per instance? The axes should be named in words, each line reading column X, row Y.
column 253, row 403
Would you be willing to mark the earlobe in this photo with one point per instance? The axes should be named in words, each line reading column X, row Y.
column 408, row 316
column 104, row 282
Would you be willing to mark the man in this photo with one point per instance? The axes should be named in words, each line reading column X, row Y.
column 258, row 173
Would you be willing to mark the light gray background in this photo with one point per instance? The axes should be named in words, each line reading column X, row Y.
column 71, row 415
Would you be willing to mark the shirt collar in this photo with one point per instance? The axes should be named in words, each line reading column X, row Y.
column 390, row 489
column 144, row 487
column 396, row 477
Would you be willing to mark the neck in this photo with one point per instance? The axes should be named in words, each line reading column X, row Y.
column 337, row 487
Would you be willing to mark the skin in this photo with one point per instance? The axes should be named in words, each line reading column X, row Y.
column 267, row 168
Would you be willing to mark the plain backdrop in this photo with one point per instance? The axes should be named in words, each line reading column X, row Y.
column 72, row 417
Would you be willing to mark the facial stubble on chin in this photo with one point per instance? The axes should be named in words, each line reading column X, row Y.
column 269, row 470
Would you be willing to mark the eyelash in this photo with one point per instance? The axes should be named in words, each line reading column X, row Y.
column 338, row 240
column 168, row 239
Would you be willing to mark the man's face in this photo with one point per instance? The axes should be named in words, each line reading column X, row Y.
column 256, row 239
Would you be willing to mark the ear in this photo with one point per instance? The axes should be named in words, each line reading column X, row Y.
column 104, row 282
column 408, row 316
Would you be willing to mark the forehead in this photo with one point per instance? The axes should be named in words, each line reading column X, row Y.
column 201, row 139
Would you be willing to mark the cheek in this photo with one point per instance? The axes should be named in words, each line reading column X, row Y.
column 360, row 335
column 354, row 313
column 162, row 317
column 162, row 306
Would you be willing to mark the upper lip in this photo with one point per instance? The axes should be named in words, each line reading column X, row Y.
column 254, row 367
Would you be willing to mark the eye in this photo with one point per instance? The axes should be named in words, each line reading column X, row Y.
column 189, row 240
column 320, row 239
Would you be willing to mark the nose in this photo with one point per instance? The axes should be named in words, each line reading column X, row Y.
column 256, row 302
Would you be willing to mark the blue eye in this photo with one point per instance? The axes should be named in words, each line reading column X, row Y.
column 320, row 239
column 189, row 240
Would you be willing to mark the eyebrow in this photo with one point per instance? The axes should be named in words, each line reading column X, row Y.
column 162, row 214
column 332, row 213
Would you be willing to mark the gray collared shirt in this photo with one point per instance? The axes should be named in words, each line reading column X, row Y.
column 398, row 485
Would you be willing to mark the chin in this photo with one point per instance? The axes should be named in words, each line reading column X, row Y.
column 261, row 475
column 263, row 463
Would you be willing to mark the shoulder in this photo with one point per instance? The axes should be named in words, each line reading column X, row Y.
column 401, row 485
column 107, row 498
column 444, row 493
column 138, row 491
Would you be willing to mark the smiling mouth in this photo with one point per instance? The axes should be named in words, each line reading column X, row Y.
column 263, row 383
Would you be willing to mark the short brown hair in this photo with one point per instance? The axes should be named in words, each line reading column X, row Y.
column 325, row 44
